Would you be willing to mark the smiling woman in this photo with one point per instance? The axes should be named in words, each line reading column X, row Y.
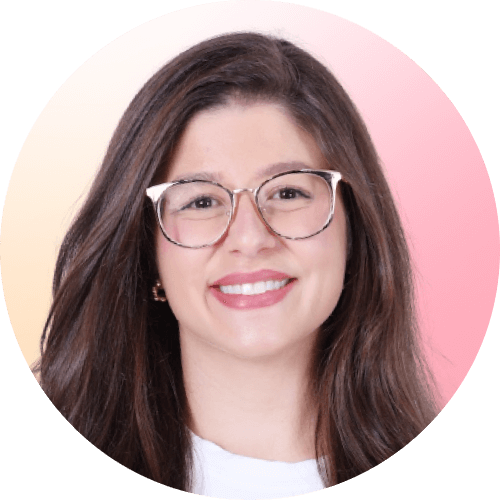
column 237, row 286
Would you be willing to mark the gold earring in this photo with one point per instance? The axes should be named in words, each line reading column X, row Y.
column 159, row 297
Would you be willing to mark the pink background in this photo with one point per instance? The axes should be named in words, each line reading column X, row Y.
column 432, row 162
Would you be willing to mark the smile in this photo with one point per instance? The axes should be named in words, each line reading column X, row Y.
column 253, row 288
column 253, row 295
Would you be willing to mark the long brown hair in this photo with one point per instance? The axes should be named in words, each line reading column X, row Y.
column 110, row 358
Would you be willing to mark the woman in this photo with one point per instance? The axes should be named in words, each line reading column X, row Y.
column 256, row 306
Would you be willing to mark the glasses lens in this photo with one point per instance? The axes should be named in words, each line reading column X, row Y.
column 196, row 213
column 296, row 205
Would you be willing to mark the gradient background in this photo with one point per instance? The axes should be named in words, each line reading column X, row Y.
column 431, row 160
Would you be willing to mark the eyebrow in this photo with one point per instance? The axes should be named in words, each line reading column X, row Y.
column 268, row 171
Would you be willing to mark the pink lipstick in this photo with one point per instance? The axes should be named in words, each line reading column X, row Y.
column 252, row 290
column 262, row 275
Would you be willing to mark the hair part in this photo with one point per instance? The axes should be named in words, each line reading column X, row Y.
column 110, row 358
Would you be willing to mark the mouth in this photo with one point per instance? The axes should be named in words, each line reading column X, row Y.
column 252, row 283
column 252, row 290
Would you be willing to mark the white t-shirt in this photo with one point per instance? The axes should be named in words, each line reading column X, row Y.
column 220, row 474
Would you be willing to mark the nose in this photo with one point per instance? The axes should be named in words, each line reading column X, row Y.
column 248, row 234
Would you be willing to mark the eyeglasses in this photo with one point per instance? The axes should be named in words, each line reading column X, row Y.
column 295, row 205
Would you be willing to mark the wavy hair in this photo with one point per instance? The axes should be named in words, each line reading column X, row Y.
column 110, row 359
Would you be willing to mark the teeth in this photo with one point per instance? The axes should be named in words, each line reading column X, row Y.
column 253, row 288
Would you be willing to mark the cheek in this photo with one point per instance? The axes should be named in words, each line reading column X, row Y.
column 170, row 267
column 162, row 257
column 181, row 272
column 329, row 270
column 327, row 265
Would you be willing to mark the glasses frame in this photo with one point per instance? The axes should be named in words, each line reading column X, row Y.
column 331, row 177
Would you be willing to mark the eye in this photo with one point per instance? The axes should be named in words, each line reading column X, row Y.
column 202, row 203
column 289, row 193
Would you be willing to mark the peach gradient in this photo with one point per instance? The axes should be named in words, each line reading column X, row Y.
column 432, row 163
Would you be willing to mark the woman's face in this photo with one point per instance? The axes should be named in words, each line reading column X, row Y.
column 239, row 145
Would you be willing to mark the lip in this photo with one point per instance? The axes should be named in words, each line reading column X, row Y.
column 265, row 299
column 255, row 277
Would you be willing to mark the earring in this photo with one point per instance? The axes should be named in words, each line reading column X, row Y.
column 159, row 293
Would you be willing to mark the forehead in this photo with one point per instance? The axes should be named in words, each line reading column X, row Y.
column 243, row 143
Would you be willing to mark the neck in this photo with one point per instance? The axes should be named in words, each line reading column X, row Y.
column 258, row 408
